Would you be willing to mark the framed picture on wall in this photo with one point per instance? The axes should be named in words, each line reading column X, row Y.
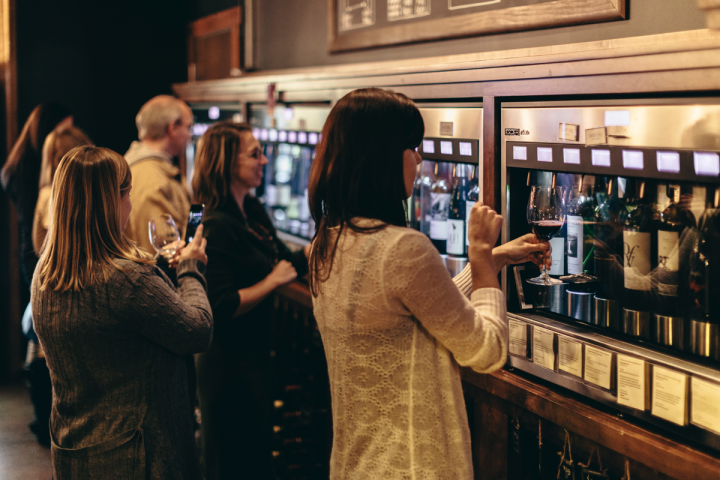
column 361, row 24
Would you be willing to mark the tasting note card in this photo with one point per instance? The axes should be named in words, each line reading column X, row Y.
column 570, row 356
column 705, row 407
column 631, row 382
column 598, row 366
column 543, row 351
column 669, row 397
column 518, row 338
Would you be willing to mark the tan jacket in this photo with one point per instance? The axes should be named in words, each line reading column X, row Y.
column 155, row 191
column 41, row 221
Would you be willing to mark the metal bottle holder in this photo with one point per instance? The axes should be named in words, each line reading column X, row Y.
column 705, row 339
column 606, row 313
column 669, row 331
column 636, row 323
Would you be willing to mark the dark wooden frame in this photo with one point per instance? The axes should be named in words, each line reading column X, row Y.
column 531, row 17
column 227, row 20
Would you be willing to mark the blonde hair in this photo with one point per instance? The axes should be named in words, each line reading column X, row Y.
column 218, row 148
column 85, row 235
column 57, row 144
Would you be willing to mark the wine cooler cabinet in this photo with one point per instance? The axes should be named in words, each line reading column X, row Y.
column 449, row 179
column 627, row 312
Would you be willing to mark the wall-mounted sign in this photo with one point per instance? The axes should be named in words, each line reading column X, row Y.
column 359, row 24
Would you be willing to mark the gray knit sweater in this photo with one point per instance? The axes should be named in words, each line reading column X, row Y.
column 120, row 389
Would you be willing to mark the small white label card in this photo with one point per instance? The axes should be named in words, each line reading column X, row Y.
column 631, row 382
column 705, row 404
column 543, row 348
column 598, row 366
column 569, row 356
column 669, row 395
column 518, row 338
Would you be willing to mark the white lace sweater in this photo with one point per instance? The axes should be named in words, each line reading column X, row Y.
column 395, row 328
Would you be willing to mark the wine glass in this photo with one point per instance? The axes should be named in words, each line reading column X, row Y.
column 164, row 235
column 546, row 215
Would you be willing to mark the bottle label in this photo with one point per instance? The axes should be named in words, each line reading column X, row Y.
column 558, row 256
column 637, row 260
column 668, row 263
column 468, row 207
column 439, row 215
column 456, row 237
column 438, row 230
column 575, row 254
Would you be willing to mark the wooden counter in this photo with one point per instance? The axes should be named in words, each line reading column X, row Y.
column 508, row 409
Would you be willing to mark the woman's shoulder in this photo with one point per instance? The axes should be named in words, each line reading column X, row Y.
column 132, row 271
column 407, row 240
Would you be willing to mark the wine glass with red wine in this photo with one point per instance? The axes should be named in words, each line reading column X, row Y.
column 546, row 215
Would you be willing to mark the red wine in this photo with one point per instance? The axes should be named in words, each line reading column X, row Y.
column 546, row 229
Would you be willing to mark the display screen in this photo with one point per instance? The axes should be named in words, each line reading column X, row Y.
column 633, row 159
column 466, row 149
column 601, row 158
column 668, row 162
column 428, row 146
column 446, row 148
column 544, row 154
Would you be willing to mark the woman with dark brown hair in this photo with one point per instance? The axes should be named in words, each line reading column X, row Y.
column 395, row 326
column 19, row 179
column 21, row 173
column 247, row 262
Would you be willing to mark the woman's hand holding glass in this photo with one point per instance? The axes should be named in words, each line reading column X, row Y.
column 164, row 235
column 528, row 248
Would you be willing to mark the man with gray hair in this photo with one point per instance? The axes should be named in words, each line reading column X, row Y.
column 163, row 124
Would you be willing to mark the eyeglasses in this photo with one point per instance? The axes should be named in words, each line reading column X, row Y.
column 256, row 154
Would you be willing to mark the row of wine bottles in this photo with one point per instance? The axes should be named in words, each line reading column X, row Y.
column 653, row 246
column 443, row 195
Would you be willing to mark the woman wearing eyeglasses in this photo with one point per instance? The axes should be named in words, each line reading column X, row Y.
column 246, row 263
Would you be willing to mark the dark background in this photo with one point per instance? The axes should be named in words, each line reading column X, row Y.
column 103, row 59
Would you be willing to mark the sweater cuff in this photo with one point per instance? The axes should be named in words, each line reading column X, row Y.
column 192, row 267
column 489, row 301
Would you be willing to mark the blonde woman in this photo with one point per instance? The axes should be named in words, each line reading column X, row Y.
column 115, row 332
column 57, row 144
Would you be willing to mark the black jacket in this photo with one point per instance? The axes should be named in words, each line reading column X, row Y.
column 239, row 258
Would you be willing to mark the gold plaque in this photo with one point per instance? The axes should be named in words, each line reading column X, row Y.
column 596, row 136
column 446, row 129
column 568, row 131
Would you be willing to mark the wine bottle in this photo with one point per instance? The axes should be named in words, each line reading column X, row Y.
column 440, row 193
column 581, row 210
column 639, row 248
column 608, row 239
column 426, row 197
column 415, row 211
column 705, row 265
column 557, row 240
column 457, row 228
column 473, row 197
column 671, row 223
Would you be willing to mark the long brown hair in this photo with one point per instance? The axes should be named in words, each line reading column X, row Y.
column 85, row 235
column 21, row 172
column 57, row 144
column 358, row 170
column 218, row 148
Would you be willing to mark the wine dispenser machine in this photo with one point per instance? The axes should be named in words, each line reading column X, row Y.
column 628, row 195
